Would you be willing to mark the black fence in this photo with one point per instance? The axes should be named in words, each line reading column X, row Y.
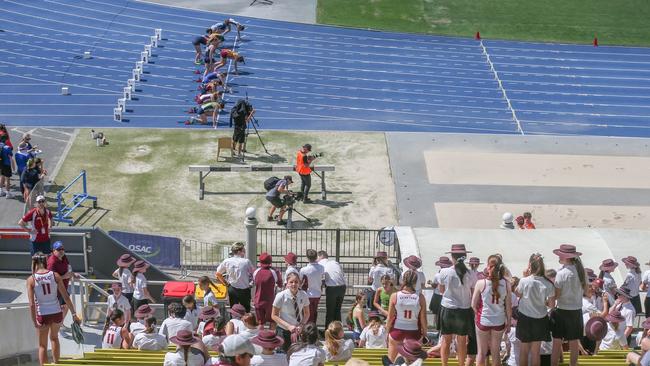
column 354, row 249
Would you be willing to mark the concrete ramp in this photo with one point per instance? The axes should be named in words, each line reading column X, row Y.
column 516, row 246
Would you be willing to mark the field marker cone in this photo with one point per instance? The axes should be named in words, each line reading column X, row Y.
column 478, row 36
column 595, row 41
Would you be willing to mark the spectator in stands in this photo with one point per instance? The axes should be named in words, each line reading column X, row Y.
column 175, row 322
column 570, row 284
column 291, row 260
column 528, row 221
column 117, row 301
column 312, row 280
column 141, row 314
column 4, row 135
column 58, row 262
column 377, row 271
column 269, row 342
column 626, row 308
column 235, row 350
column 191, row 310
column 407, row 318
column 149, row 339
column 223, row 28
column 535, row 293
column 374, row 335
column 492, row 305
column 274, row 197
column 335, row 287
column 239, row 270
column 306, row 351
column 43, row 286
column 190, row 351
column 197, row 42
column 337, row 348
column 213, row 331
column 615, row 339
column 235, row 325
column 357, row 316
column 141, row 293
column 382, row 295
column 507, row 221
column 211, row 107
column 290, row 309
column 436, row 298
column 520, row 222
column 206, row 284
column 633, row 281
column 117, row 335
column 414, row 263
column 123, row 274
column 643, row 359
column 266, row 279
column 609, row 284
column 250, row 328
column 456, row 315
column 207, row 314
column 7, row 166
column 28, row 180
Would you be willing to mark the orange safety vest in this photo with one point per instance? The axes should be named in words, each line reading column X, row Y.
column 301, row 168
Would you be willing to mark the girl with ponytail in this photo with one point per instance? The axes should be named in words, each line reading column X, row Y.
column 336, row 347
column 407, row 314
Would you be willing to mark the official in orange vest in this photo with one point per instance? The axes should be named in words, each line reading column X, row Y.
column 303, row 162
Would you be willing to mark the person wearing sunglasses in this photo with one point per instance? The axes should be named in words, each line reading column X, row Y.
column 58, row 263
column 41, row 224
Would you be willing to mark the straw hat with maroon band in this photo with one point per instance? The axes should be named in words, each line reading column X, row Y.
column 375, row 314
column 614, row 316
column 444, row 262
column 265, row 260
column 475, row 261
column 143, row 311
column 237, row 310
column 591, row 275
column 291, row 258
column 412, row 262
column 184, row 338
column 140, row 266
column 208, row 312
column 631, row 261
column 596, row 328
column 567, row 251
column 458, row 249
column 624, row 291
column 267, row 339
column 608, row 265
column 125, row 260
column 411, row 350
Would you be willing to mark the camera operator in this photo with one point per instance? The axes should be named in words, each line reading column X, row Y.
column 241, row 115
column 303, row 162
column 274, row 196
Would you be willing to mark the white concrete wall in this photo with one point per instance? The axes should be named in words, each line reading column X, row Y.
column 19, row 334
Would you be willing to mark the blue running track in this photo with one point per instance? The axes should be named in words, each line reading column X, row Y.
column 310, row 77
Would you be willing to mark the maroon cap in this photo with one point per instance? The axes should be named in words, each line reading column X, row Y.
column 458, row 249
column 608, row 265
column 291, row 258
column 266, row 259
column 567, row 251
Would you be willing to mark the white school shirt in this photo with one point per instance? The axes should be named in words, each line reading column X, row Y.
column 276, row 359
column 140, row 285
column 609, row 285
column 125, row 279
column 284, row 301
column 310, row 355
column 137, row 327
column 375, row 341
column 150, row 342
column 534, row 291
column 210, row 340
column 239, row 271
column 436, row 281
column 457, row 295
column 194, row 358
column 407, row 311
column 122, row 303
column 568, row 281
column 238, row 325
column 645, row 279
column 334, row 275
column 629, row 313
column 633, row 281
column 171, row 326
column 112, row 338
column 614, row 339
column 419, row 283
column 493, row 313
column 45, row 293
column 192, row 316
column 377, row 272
column 346, row 347
column 313, row 274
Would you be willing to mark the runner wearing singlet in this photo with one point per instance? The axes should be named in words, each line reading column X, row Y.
column 407, row 317
column 492, row 305
column 228, row 54
column 116, row 336
column 42, row 289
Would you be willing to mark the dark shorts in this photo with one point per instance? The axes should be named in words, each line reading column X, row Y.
column 55, row 318
column 533, row 329
column 646, row 303
column 6, row 171
column 199, row 40
column 275, row 201
column 566, row 324
column 434, row 305
column 239, row 135
column 636, row 302
column 263, row 313
column 456, row 321
column 402, row 335
column 44, row 247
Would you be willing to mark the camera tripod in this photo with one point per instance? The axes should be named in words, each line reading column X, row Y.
column 254, row 123
column 290, row 211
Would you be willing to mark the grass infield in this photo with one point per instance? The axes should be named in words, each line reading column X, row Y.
column 143, row 183
column 574, row 21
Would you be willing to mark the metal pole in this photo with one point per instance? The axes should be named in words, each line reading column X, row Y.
column 251, row 234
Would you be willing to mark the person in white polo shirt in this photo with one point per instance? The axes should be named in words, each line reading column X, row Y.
column 240, row 271
column 377, row 271
column 311, row 277
column 335, row 286
column 117, row 301
column 290, row 309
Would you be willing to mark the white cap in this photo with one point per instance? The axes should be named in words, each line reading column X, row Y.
column 507, row 218
column 41, row 197
column 236, row 344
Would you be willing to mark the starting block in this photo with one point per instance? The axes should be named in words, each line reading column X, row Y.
column 154, row 41
column 127, row 93
column 65, row 90
column 117, row 114
column 147, row 49
column 139, row 65
column 87, row 54
column 136, row 74
column 144, row 57
column 121, row 104
column 158, row 33
column 131, row 84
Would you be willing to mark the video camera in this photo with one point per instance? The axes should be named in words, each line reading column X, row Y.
column 315, row 154
column 291, row 198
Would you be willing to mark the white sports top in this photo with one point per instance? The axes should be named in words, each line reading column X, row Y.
column 407, row 308
column 113, row 337
column 124, row 279
column 238, row 325
column 493, row 311
column 140, row 284
column 45, row 291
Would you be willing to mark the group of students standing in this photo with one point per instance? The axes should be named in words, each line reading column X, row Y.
column 24, row 163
